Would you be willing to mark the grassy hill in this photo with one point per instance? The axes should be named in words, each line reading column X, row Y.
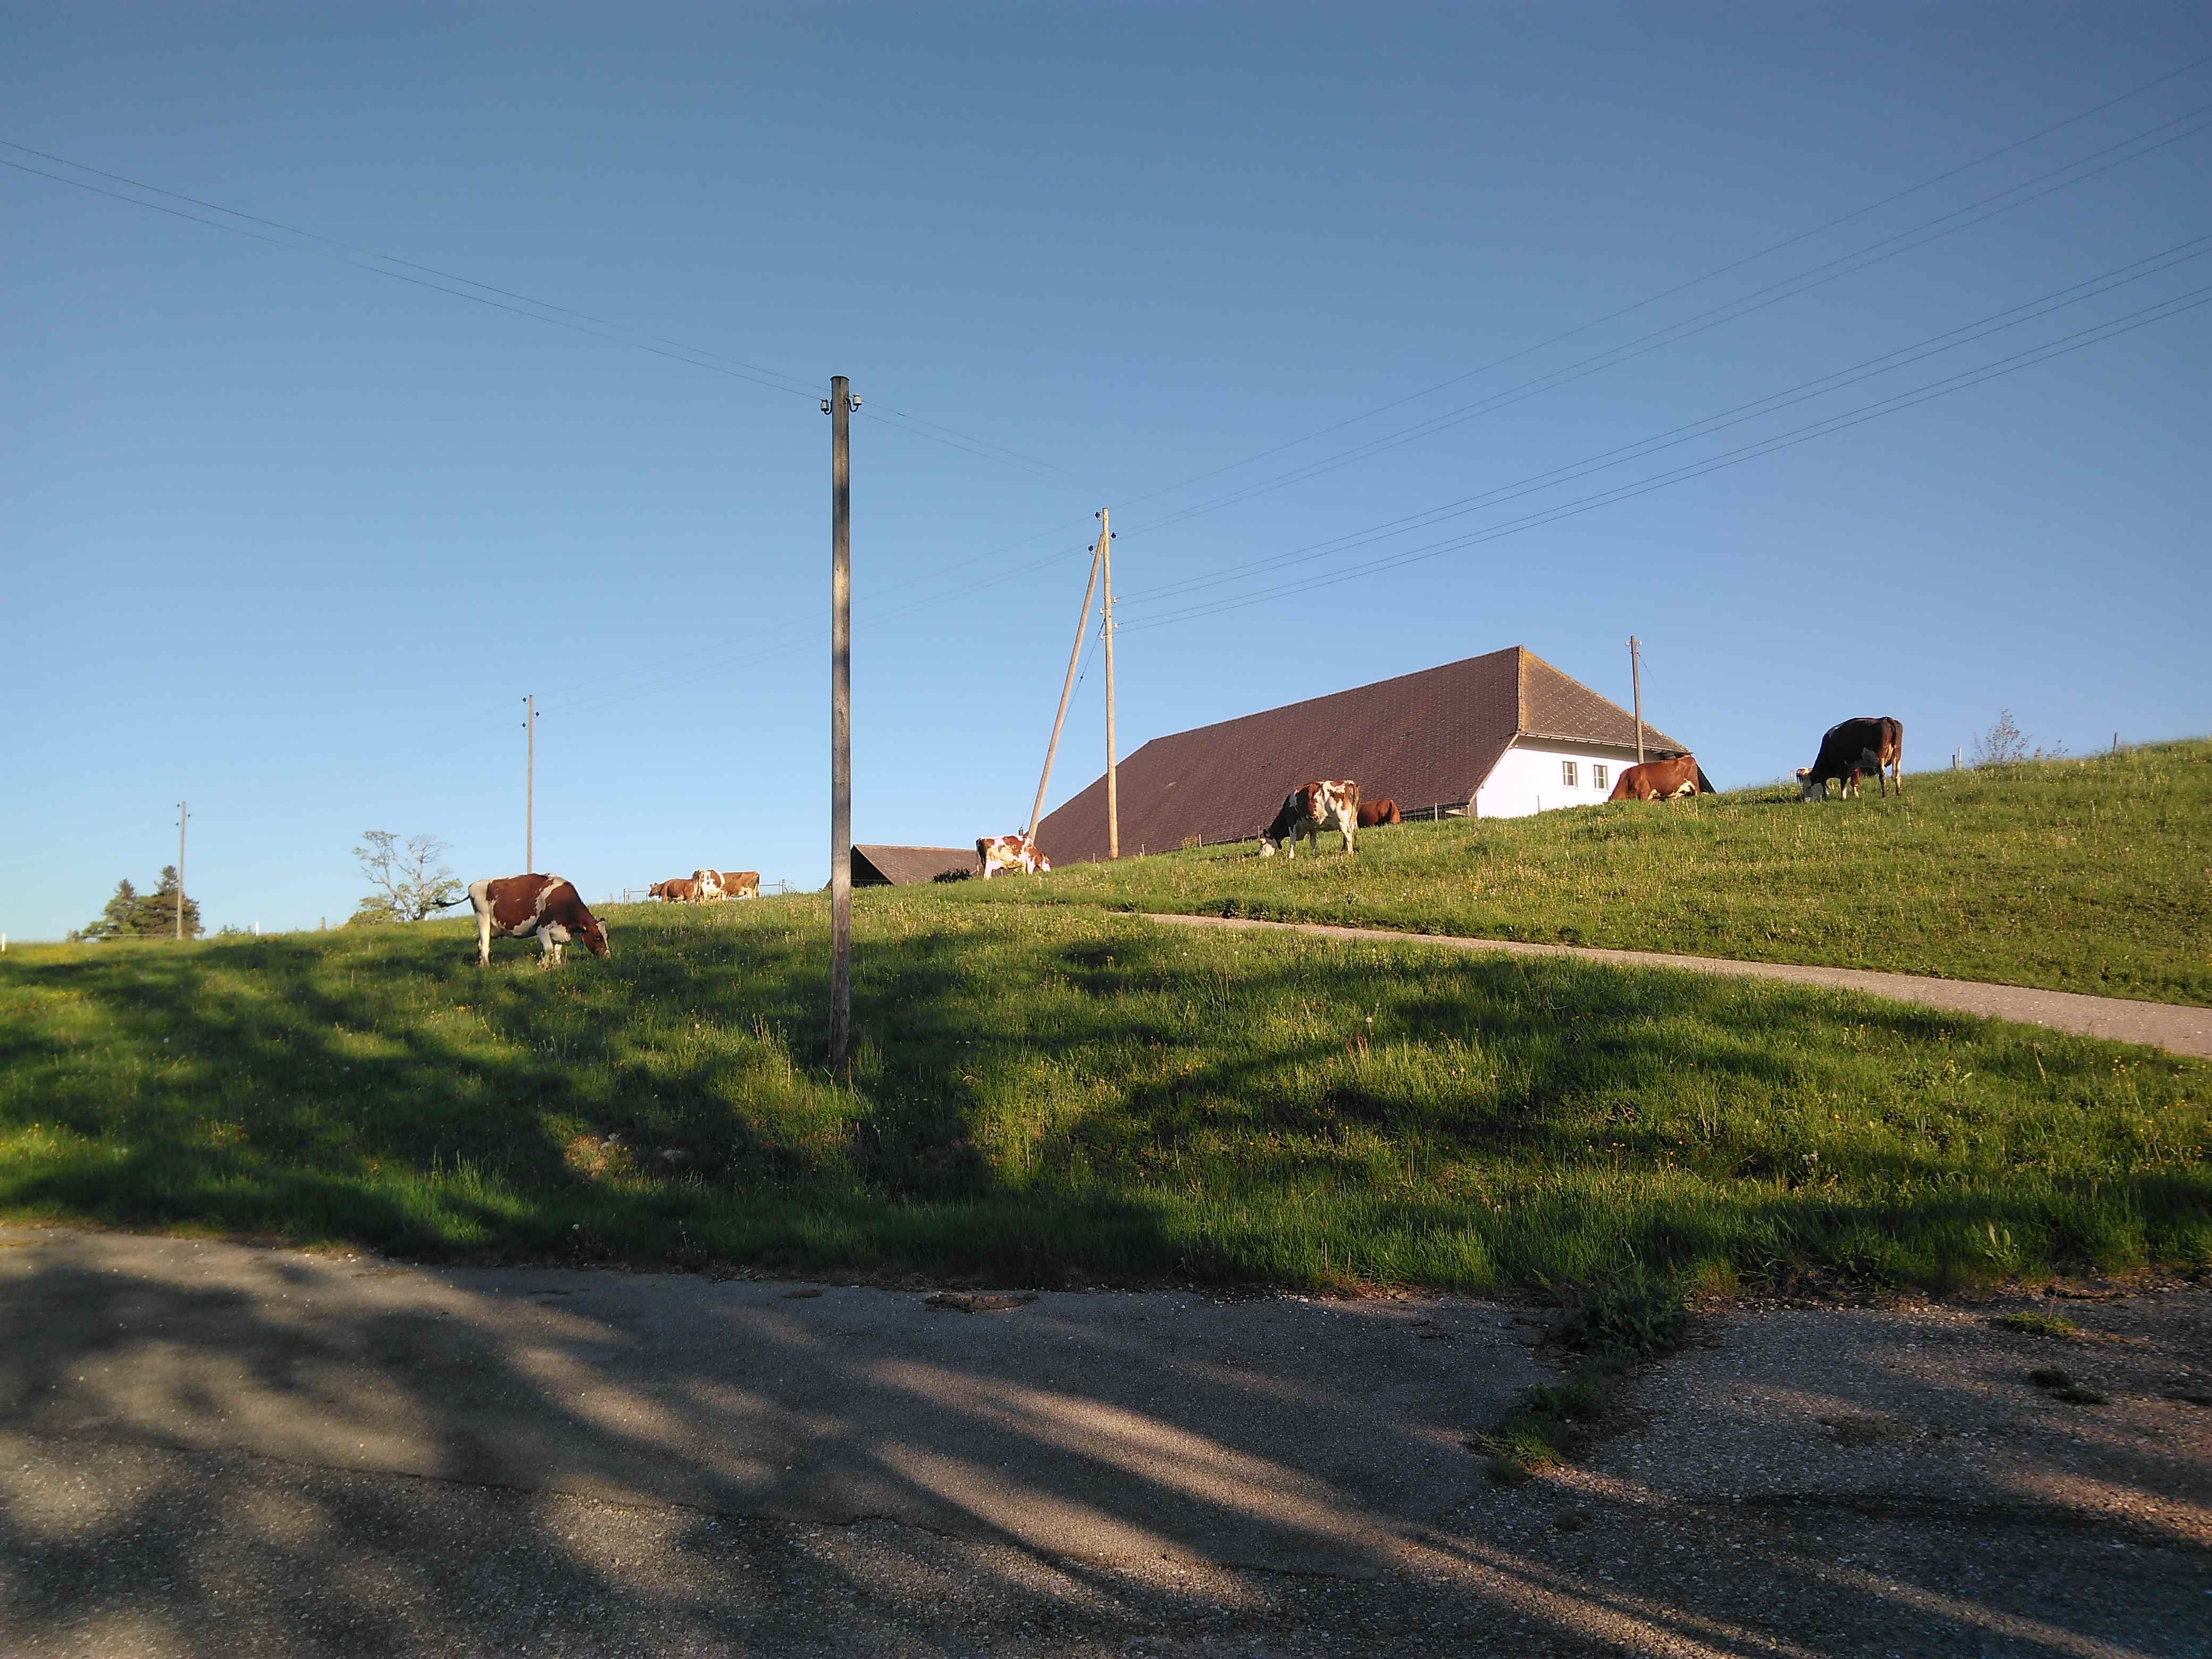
column 2091, row 876
column 1046, row 1092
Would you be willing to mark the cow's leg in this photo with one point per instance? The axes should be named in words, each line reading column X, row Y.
column 1344, row 823
column 484, row 939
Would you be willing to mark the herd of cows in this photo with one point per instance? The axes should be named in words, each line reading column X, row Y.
column 706, row 886
column 549, row 908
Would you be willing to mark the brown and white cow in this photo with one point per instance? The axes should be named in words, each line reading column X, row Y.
column 1850, row 750
column 1309, row 809
column 1372, row 813
column 550, row 907
column 1017, row 852
column 1667, row 779
column 709, row 884
column 739, row 884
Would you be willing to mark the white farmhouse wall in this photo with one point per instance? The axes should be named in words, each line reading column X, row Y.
column 1529, row 777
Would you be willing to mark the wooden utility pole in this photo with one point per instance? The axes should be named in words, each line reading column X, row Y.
column 1075, row 650
column 182, row 817
column 1636, row 679
column 530, row 785
column 1113, row 791
column 839, row 406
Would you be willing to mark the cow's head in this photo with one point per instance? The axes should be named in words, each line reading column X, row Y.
column 1810, row 787
column 593, row 932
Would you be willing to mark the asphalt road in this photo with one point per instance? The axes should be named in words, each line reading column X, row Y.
column 215, row 1449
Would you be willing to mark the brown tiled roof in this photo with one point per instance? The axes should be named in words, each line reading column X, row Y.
column 1423, row 739
column 908, row 866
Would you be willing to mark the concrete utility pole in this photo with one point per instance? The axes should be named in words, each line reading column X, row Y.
column 1636, row 679
column 182, row 816
column 1075, row 650
column 839, row 406
column 530, row 786
column 1113, row 789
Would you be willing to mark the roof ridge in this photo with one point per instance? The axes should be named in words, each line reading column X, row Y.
column 1341, row 691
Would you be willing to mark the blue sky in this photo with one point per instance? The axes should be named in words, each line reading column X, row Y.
column 292, row 538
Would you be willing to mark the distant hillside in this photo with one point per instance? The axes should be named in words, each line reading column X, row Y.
column 2092, row 875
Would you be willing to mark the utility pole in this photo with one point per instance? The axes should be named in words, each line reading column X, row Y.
column 182, row 816
column 530, row 786
column 1067, row 685
column 839, row 406
column 1636, row 679
column 1113, row 791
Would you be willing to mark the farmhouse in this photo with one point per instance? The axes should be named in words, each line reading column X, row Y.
column 910, row 866
column 1502, row 735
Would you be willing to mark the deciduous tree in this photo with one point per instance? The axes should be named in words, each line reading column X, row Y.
column 407, row 886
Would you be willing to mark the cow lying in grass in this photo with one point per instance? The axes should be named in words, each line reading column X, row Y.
column 550, row 907
column 1309, row 809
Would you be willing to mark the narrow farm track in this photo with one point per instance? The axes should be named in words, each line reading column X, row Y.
column 2175, row 1027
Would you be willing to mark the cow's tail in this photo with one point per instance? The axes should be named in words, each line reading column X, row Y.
column 447, row 904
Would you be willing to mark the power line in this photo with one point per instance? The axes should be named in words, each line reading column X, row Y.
column 2095, row 334
column 2013, row 317
column 1712, row 318
column 1665, row 294
column 681, row 351
column 1701, row 322
column 1886, row 362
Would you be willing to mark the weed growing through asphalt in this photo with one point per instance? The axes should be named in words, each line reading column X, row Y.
column 2032, row 1322
column 1623, row 1319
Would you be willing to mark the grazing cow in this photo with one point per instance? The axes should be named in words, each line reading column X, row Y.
column 516, row 907
column 677, row 889
column 1309, row 809
column 1016, row 851
column 1667, row 779
column 1850, row 750
column 709, row 883
column 1372, row 813
column 739, row 884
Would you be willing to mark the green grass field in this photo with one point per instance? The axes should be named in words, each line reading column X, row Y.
column 2091, row 876
column 1047, row 1094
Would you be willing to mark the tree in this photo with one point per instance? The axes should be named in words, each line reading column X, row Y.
column 2005, row 745
column 133, row 915
column 407, row 887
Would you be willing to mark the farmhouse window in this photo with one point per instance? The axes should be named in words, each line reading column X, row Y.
column 1597, row 777
column 1567, row 772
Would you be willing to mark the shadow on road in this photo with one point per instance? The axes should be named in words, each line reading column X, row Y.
column 217, row 1449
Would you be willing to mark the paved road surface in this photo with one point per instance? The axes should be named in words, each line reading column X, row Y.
column 214, row 1448
column 2176, row 1027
